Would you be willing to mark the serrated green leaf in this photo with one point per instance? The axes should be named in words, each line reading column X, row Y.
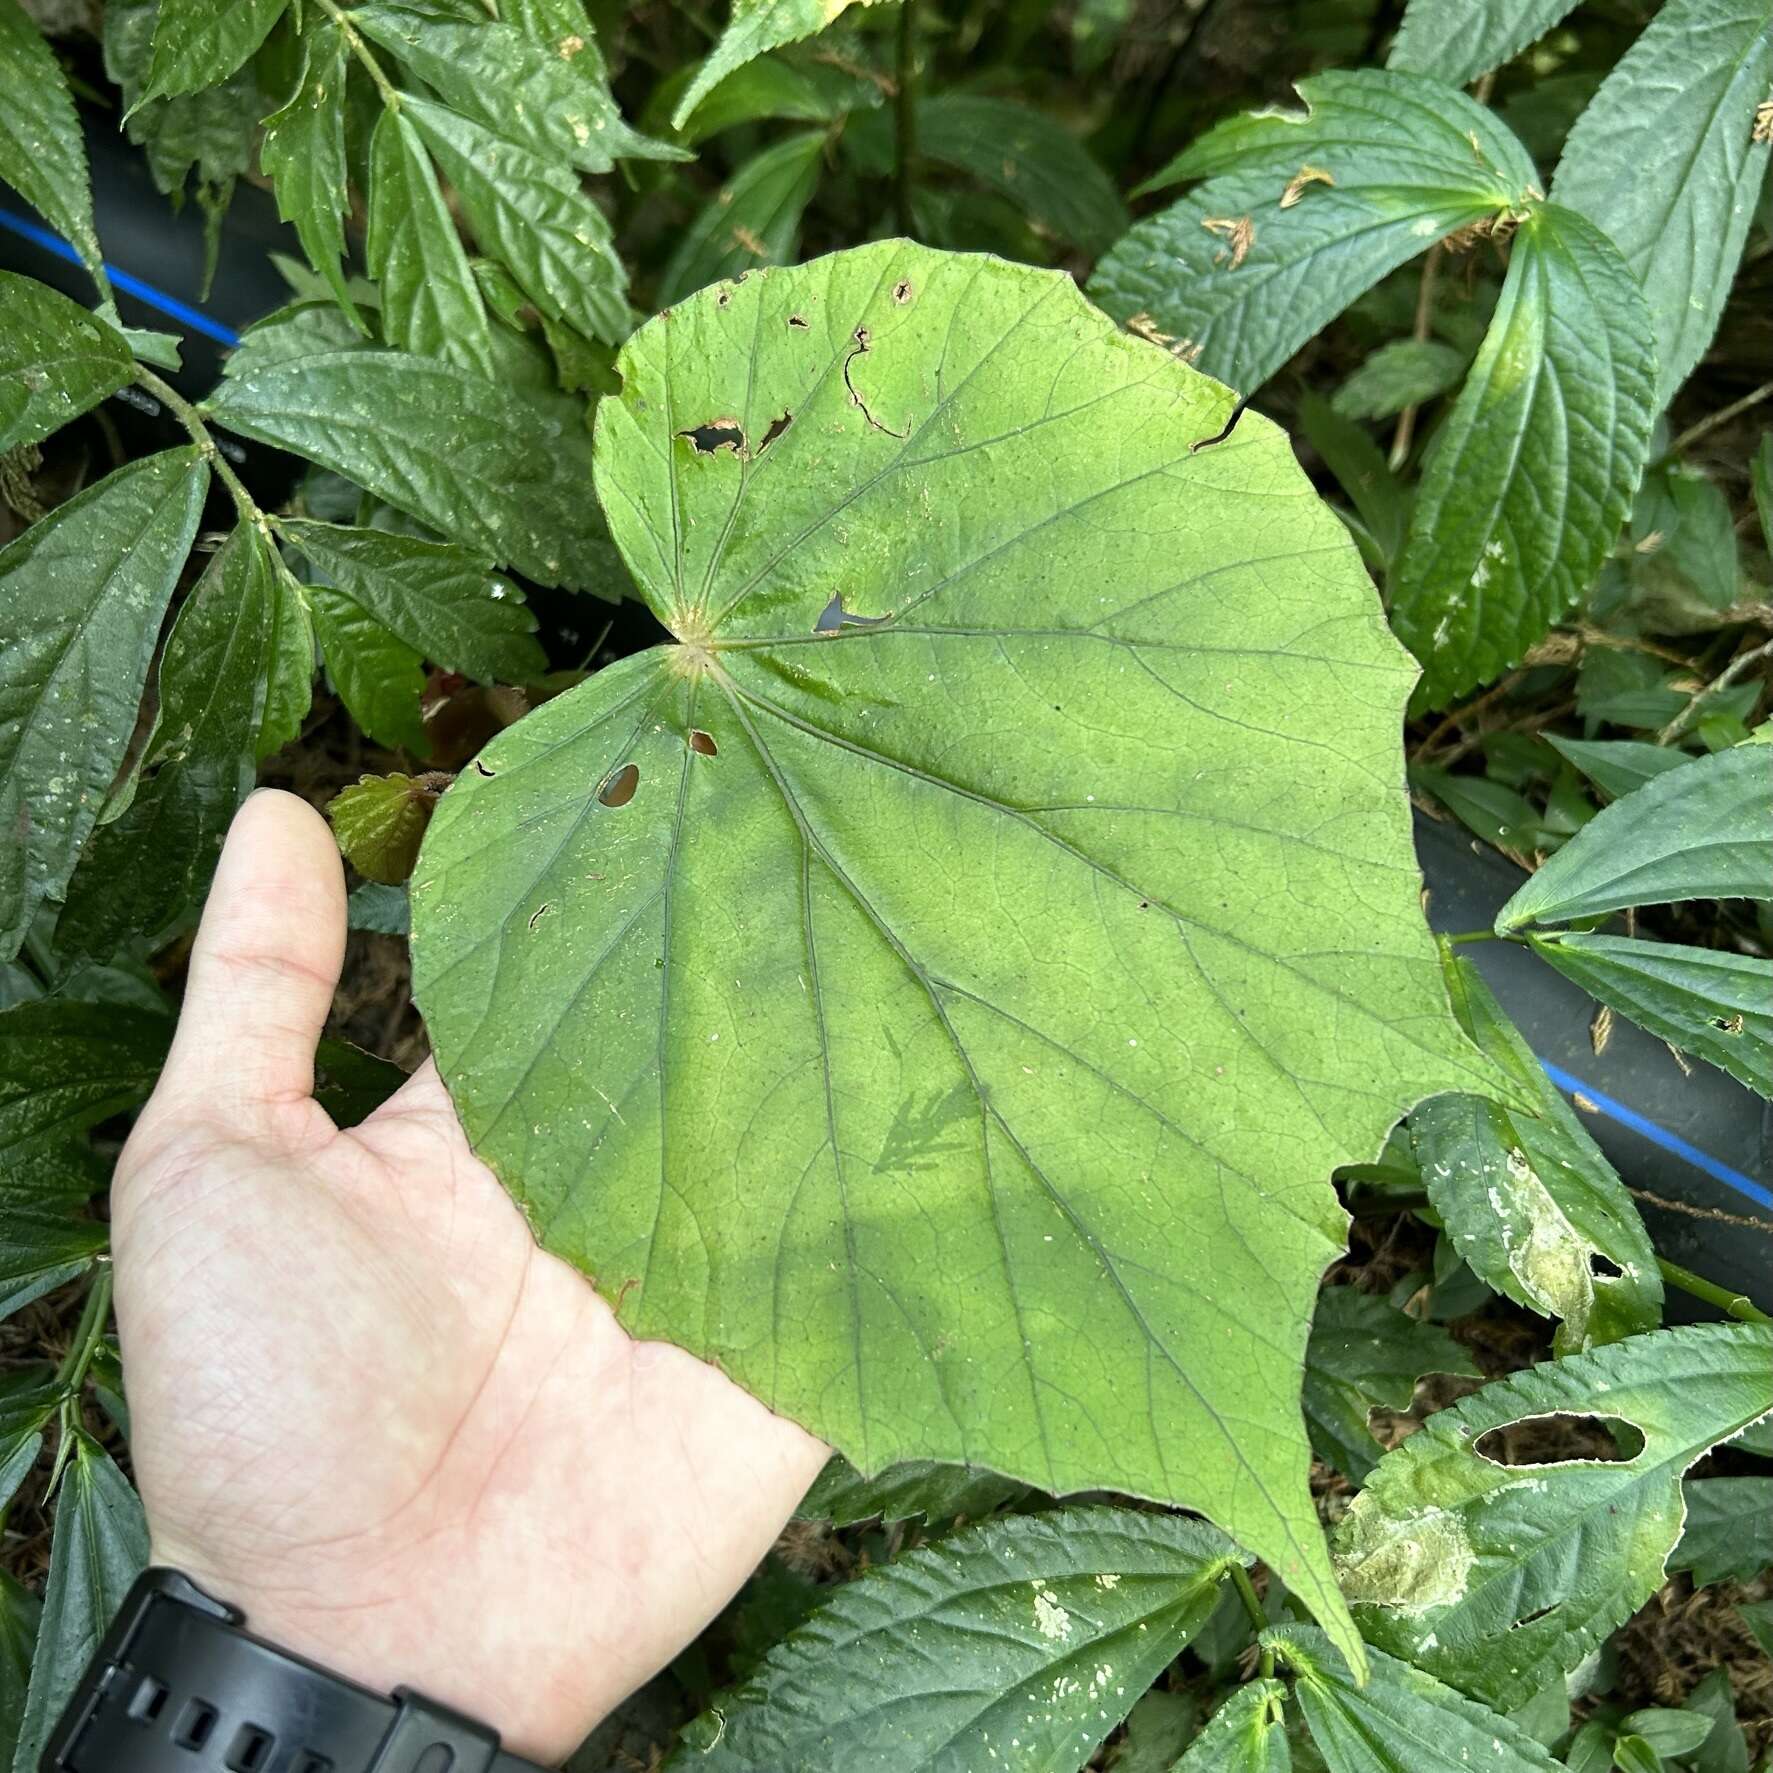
column 45, row 1237
column 20, row 1612
column 1704, row 834
column 531, row 214
column 1247, row 268
column 755, row 220
column 1457, row 40
column 1401, row 1720
column 56, row 360
column 380, row 909
column 303, row 154
column 379, row 678
column 67, row 1065
column 1498, row 1578
column 920, row 1489
column 1028, row 1637
column 88, row 585
column 430, row 301
column 434, row 595
column 289, row 669
column 769, row 87
column 1729, row 1531
column 1040, row 166
column 42, row 152
column 756, row 27
column 199, row 43
column 1617, row 766
column 1684, row 537
column 1669, row 169
column 28, row 1398
column 379, row 824
column 500, row 471
column 1027, row 676
column 1364, row 1352
column 529, row 91
column 1702, row 1000
column 1528, row 1199
column 1559, row 395
column 1407, row 372
column 100, row 1547
column 1247, row 1734
column 147, row 865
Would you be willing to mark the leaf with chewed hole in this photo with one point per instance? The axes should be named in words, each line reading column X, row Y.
column 1498, row 1578
column 1017, row 1643
column 1009, row 977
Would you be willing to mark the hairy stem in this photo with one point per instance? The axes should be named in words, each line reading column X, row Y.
column 192, row 420
column 905, row 119
column 362, row 51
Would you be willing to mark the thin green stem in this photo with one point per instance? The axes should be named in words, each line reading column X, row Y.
column 390, row 93
column 905, row 119
column 192, row 420
column 1246, row 1592
column 1735, row 669
column 1471, row 936
column 95, row 1315
column 1731, row 1304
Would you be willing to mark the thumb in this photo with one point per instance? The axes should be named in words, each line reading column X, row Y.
column 265, row 964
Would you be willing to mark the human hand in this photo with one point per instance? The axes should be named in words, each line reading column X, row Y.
column 365, row 1406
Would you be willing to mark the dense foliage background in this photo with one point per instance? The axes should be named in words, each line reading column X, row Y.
column 1503, row 272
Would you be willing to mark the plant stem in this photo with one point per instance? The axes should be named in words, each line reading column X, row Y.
column 360, row 49
column 1471, row 936
column 192, row 420
column 1246, row 1592
column 1722, row 416
column 1723, row 680
column 1406, row 420
column 93, row 1317
column 905, row 119
column 1731, row 1304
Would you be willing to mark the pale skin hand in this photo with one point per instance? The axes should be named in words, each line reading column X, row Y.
column 366, row 1407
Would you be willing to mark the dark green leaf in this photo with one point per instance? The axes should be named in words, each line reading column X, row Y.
column 379, row 908
column 1457, row 40
column 1725, row 1749
column 1499, row 1578
column 1674, row 1734
column 770, row 87
column 1159, row 1728
column 1401, row 1721
column 1591, row 1751
column 28, row 1398
column 351, row 1084
column 529, row 212
column 1632, row 1754
column 45, row 1238
column 289, row 672
column 20, row 1611
column 379, row 678
column 1668, row 168
column 1528, row 1199
column 1763, row 482
column 303, row 154
column 1493, row 810
column 145, row 867
column 100, row 1547
column 1241, row 277
column 1049, row 703
column 503, row 473
column 757, row 26
column 1729, row 1531
column 199, row 43
column 87, row 587
column 754, row 221
column 1361, row 471
column 1758, row 1617
column 430, row 302
column 920, row 1489
column 66, row 1065
column 1560, row 395
column 1364, row 1352
column 1684, row 539
column 42, row 153
column 1036, row 1633
column 1617, row 766
column 56, row 360
column 1706, row 833
column 526, row 88
column 380, row 822
column 1247, row 1734
column 1407, row 372
column 434, row 595
column 1702, row 1000
column 1036, row 163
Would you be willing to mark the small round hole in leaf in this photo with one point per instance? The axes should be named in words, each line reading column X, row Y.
column 618, row 787
column 703, row 743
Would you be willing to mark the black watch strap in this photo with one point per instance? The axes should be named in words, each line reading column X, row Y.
column 178, row 1687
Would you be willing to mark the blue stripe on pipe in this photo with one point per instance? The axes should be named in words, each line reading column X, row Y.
column 1714, row 1167
column 192, row 319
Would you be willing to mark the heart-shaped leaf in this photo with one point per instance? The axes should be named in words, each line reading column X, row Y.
column 939, row 987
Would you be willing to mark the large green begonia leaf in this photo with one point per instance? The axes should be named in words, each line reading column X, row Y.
column 1498, row 1578
column 939, row 988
